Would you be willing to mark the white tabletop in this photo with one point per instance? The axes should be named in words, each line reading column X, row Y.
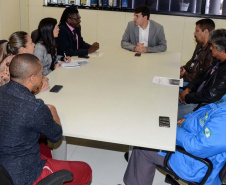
column 113, row 99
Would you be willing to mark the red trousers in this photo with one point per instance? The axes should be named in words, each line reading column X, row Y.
column 82, row 173
column 45, row 152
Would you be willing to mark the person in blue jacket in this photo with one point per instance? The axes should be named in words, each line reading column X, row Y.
column 201, row 133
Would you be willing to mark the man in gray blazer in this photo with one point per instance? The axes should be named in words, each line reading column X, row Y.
column 143, row 35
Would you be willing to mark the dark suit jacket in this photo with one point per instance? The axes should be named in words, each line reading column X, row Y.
column 67, row 43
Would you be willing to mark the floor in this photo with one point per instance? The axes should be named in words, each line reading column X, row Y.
column 106, row 160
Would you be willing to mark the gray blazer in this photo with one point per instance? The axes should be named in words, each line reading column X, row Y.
column 156, row 38
column 44, row 57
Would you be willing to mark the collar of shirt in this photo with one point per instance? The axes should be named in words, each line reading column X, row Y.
column 71, row 28
column 207, row 46
column 143, row 35
column 18, row 90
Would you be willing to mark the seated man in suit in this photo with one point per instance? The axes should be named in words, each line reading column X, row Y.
column 70, row 41
column 143, row 35
column 202, row 134
column 23, row 119
column 202, row 57
column 211, row 86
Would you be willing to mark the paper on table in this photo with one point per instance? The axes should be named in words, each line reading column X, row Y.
column 96, row 54
column 74, row 63
column 168, row 81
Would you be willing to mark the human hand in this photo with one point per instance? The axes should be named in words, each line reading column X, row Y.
column 45, row 78
column 179, row 122
column 96, row 45
column 45, row 83
column 67, row 59
column 181, row 67
column 43, row 86
column 58, row 64
column 144, row 49
column 93, row 47
column 182, row 71
column 182, row 100
column 140, row 48
column 182, row 95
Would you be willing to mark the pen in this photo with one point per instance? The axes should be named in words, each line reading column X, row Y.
column 65, row 56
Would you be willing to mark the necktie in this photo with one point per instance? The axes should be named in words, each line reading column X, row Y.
column 75, row 36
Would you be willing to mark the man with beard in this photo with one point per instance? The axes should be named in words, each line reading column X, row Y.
column 201, row 133
column 70, row 41
column 211, row 86
column 202, row 56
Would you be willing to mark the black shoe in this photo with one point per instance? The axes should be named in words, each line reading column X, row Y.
column 126, row 156
column 170, row 180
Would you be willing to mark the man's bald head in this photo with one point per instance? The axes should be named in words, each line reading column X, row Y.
column 23, row 66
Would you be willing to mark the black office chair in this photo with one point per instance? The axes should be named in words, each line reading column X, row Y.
column 172, row 178
column 57, row 178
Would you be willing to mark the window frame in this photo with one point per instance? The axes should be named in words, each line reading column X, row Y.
column 158, row 12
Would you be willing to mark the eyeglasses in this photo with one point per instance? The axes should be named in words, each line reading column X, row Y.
column 76, row 19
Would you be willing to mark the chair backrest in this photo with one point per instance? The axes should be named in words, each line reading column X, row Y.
column 5, row 178
column 222, row 174
column 57, row 178
column 34, row 36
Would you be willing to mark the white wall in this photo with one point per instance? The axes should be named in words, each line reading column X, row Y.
column 9, row 17
column 105, row 27
column 24, row 15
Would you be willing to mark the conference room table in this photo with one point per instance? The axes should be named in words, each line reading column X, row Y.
column 113, row 99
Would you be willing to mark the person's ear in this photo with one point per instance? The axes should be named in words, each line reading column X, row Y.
column 32, row 79
column 222, row 52
column 68, row 20
column 206, row 32
column 22, row 50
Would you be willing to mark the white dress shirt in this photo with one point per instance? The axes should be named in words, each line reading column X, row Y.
column 143, row 35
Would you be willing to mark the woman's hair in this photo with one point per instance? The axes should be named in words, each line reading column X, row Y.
column 45, row 31
column 16, row 41
column 3, row 50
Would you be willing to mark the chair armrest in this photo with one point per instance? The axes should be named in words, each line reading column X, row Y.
column 57, row 178
column 5, row 178
column 222, row 174
column 206, row 161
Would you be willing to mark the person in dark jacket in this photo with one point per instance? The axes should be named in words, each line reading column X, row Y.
column 70, row 41
column 202, row 57
column 23, row 119
column 211, row 86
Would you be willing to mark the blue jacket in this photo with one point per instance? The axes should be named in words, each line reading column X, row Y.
column 202, row 134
